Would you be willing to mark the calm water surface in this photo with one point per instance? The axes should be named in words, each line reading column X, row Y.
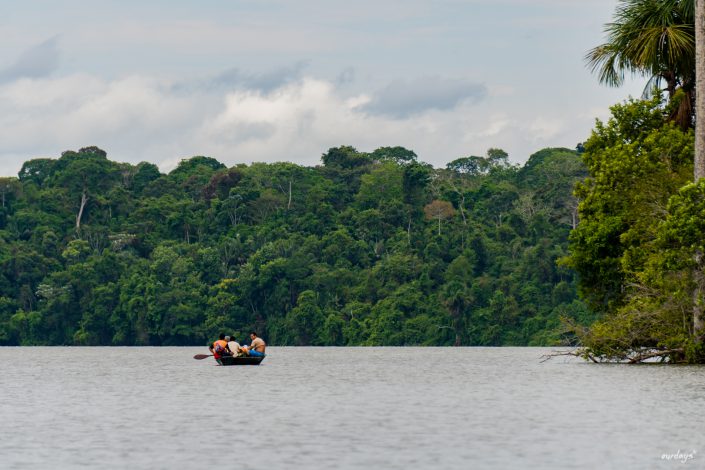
column 348, row 408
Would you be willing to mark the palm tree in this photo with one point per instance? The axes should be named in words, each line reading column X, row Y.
column 656, row 39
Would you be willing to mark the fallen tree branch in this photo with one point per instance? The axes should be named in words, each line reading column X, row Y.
column 634, row 357
column 575, row 353
column 642, row 356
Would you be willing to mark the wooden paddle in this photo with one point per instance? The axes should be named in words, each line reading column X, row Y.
column 202, row 356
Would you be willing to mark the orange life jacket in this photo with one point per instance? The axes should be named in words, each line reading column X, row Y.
column 219, row 348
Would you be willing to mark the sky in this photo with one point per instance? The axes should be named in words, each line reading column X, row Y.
column 276, row 80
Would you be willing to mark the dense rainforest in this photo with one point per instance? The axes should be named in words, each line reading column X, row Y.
column 368, row 248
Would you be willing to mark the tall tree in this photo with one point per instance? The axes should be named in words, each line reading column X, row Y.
column 440, row 210
column 8, row 186
column 86, row 173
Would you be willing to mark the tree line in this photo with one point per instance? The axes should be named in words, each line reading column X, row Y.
column 367, row 248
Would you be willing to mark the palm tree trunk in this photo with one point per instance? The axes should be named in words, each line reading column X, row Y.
column 699, row 161
column 699, row 90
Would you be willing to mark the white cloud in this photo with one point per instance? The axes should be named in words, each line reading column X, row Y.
column 141, row 118
column 47, row 116
column 544, row 129
column 495, row 125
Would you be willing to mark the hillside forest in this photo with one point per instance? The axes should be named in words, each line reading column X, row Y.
column 367, row 248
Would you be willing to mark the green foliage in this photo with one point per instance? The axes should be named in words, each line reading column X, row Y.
column 636, row 162
column 639, row 242
column 399, row 155
column 368, row 249
column 37, row 170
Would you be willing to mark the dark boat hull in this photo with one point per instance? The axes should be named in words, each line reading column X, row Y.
column 240, row 361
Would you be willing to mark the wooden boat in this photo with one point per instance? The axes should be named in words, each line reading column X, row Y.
column 240, row 361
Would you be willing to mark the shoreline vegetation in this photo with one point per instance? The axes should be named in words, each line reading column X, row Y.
column 373, row 248
column 639, row 246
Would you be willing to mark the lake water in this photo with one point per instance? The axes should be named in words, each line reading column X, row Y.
column 347, row 408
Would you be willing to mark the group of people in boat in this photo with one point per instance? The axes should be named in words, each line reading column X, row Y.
column 226, row 346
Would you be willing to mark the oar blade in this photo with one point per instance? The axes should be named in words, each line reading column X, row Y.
column 202, row 356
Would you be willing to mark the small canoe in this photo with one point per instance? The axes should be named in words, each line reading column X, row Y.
column 240, row 361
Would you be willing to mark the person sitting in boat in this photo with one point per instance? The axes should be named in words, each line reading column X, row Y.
column 257, row 346
column 235, row 348
column 220, row 348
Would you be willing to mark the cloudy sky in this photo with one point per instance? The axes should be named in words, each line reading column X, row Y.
column 276, row 80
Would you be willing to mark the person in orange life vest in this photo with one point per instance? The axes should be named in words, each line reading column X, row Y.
column 220, row 347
